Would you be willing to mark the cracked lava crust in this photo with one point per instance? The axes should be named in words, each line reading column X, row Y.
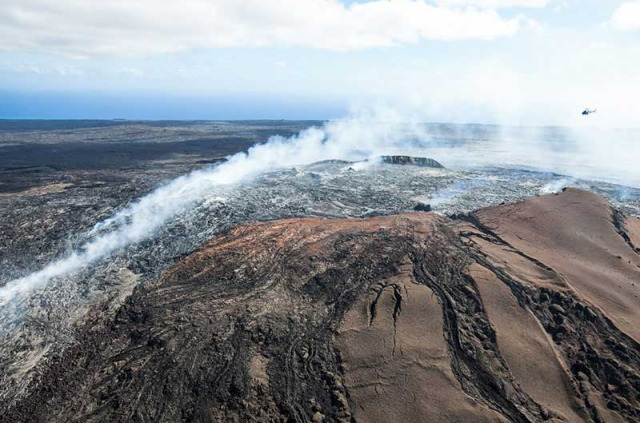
column 524, row 312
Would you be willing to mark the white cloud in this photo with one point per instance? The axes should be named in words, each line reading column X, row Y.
column 144, row 27
column 30, row 68
column 135, row 72
column 495, row 4
column 627, row 16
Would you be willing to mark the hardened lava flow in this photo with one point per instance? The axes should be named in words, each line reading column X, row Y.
column 524, row 312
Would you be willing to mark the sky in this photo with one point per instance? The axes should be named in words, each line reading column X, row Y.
column 529, row 62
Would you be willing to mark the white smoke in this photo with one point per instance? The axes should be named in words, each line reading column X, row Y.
column 447, row 195
column 364, row 135
column 556, row 186
column 600, row 154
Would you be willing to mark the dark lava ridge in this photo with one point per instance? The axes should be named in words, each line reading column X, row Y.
column 525, row 312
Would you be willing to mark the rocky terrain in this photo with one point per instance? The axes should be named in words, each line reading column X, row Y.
column 524, row 312
column 58, row 178
column 344, row 304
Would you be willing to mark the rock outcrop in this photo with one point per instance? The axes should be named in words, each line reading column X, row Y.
column 409, row 160
column 525, row 312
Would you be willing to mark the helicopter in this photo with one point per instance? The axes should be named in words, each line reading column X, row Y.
column 587, row 112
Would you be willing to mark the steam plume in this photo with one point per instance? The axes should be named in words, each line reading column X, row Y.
column 368, row 133
column 362, row 136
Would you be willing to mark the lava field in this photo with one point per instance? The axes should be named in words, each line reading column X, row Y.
column 286, row 297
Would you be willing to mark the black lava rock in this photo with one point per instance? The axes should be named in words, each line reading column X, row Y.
column 422, row 207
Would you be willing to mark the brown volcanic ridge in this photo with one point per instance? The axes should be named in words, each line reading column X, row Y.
column 526, row 312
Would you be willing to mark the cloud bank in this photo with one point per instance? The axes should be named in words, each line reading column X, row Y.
column 495, row 4
column 627, row 17
column 145, row 27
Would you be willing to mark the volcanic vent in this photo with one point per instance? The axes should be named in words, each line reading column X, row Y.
column 523, row 313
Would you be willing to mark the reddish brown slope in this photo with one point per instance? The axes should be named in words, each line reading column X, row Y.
column 633, row 229
column 520, row 313
column 575, row 235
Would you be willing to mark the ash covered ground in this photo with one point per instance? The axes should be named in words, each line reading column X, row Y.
column 58, row 180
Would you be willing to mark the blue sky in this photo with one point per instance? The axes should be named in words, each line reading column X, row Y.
column 515, row 61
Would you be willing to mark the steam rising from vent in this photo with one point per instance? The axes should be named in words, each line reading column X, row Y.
column 556, row 186
column 360, row 137
column 368, row 133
